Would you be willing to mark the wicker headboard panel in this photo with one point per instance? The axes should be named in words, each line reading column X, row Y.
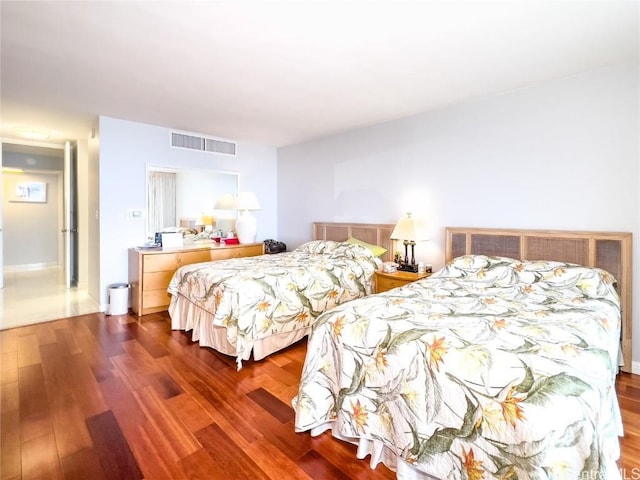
column 374, row 233
column 610, row 251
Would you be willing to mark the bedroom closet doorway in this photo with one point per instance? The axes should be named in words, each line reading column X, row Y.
column 40, row 235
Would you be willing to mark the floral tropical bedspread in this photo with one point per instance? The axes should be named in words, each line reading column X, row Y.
column 490, row 369
column 256, row 297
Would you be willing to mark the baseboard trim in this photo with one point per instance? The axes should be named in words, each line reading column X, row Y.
column 29, row 267
column 635, row 368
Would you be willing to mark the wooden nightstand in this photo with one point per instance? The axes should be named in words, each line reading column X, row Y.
column 387, row 281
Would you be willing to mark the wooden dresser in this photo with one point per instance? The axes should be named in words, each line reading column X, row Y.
column 150, row 271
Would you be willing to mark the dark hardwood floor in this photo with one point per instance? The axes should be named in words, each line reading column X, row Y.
column 98, row 397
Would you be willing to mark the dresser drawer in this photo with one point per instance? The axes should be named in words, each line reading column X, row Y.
column 187, row 258
column 155, row 298
column 248, row 251
column 173, row 261
column 160, row 262
column 157, row 280
column 252, row 251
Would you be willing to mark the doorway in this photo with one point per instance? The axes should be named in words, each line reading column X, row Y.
column 35, row 254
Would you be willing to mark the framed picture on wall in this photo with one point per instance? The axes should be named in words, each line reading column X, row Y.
column 35, row 192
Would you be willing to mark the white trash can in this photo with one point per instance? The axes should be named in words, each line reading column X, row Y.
column 118, row 299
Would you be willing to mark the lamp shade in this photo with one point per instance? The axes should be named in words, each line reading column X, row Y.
column 409, row 228
column 247, row 201
column 226, row 201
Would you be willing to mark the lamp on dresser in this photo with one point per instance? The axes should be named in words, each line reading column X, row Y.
column 410, row 230
column 205, row 222
column 246, row 224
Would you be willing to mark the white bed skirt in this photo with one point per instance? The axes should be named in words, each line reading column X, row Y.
column 379, row 454
column 185, row 315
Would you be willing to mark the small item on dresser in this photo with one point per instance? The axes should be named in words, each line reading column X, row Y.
column 172, row 240
column 408, row 267
column 151, row 246
column 231, row 241
column 422, row 268
column 389, row 267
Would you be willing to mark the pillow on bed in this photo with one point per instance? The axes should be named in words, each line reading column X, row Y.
column 472, row 265
column 544, row 274
column 338, row 249
column 377, row 250
column 318, row 246
column 482, row 268
column 591, row 282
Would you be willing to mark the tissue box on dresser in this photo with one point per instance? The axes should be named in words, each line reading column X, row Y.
column 172, row 240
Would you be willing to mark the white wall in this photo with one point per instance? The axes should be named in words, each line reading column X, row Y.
column 31, row 230
column 561, row 155
column 126, row 150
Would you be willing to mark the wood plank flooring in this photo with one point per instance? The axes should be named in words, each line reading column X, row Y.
column 98, row 397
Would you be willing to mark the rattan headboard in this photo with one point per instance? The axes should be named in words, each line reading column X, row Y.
column 374, row 233
column 610, row 251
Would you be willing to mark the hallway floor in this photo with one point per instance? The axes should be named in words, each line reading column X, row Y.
column 35, row 296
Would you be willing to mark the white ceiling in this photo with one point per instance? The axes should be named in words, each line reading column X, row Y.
column 278, row 73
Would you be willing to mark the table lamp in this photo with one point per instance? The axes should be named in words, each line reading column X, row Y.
column 410, row 230
column 205, row 222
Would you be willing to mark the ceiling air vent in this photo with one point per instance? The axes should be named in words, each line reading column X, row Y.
column 219, row 146
column 204, row 144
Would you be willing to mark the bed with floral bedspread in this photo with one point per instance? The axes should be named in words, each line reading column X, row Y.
column 492, row 368
column 265, row 303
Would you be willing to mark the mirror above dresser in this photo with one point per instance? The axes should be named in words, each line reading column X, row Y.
column 179, row 198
